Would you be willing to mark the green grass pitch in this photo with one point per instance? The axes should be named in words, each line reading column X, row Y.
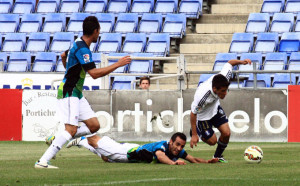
column 78, row 166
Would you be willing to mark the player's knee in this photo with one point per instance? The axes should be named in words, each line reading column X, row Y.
column 95, row 127
column 71, row 130
column 226, row 134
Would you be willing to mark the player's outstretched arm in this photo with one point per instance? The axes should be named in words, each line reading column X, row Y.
column 234, row 62
column 195, row 138
column 192, row 159
column 161, row 156
column 100, row 72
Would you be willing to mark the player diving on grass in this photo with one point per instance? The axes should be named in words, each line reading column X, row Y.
column 162, row 152
column 207, row 113
column 71, row 104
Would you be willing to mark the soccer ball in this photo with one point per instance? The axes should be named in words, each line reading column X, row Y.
column 253, row 154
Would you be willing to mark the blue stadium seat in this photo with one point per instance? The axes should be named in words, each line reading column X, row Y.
column 38, row 42
column 62, row 41
column 255, row 58
column 294, row 62
column 31, row 23
column 106, row 21
column 235, row 84
column 19, row 62
column 142, row 6
column 150, row 23
column 75, row 22
column 282, row 80
column 95, row 6
column 126, row 23
column 263, row 80
column 96, row 58
column 122, row 69
column 9, row 23
column 290, row 42
column 191, row 8
column 71, row 6
column 5, row 6
column 141, row 66
column 93, row 46
column 292, row 6
column 175, row 25
column 110, row 42
column 118, row 6
column 282, row 22
column 158, row 44
column 266, row 42
column 3, row 60
column 44, row 62
column 134, row 42
column 241, row 42
column 275, row 61
column 166, row 6
column 14, row 42
column 258, row 22
column 59, row 66
column 221, row 59
column 47, row 6
column 54, row 22
column 297, row 23
column 24, row 7
column 272, row 6
column 123, row 82
column 204, row 77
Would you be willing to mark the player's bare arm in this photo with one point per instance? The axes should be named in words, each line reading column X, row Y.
column 195, row 138
column 161, row 156
column 192, row 159
column 239, row 62
column 64, row 58
column 100, row 72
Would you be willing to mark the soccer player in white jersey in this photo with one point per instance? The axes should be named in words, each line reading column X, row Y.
column 206, row 111
column 71, row 102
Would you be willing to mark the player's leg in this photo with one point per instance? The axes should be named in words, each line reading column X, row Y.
column 82, row 142
column 69, row 108
column 205, row 132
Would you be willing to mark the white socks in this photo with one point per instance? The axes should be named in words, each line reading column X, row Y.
column 82, row 131
column 56, row 145
column 84, row 143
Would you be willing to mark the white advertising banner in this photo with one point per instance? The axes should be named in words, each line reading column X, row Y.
column 40, row 118
column 40, row 81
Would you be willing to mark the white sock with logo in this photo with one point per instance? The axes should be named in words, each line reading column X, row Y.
column 82, row 131
column 85, row 144
column 56, row 145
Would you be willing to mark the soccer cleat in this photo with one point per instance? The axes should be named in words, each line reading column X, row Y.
column 49, row 140
column 75, row 142
column 221, row 159
column 44, row 165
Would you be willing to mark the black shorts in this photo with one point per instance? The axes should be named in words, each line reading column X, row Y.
column 205, row 128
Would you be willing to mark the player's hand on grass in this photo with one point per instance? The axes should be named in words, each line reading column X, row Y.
column 214, row 160
column 124, row 61
column 194, row 141
column 180, row 162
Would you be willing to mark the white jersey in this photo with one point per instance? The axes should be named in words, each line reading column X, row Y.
column 206, row 102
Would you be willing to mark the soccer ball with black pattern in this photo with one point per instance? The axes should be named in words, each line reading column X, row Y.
column 253, row 154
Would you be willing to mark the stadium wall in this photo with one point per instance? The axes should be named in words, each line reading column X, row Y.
column 258, row 115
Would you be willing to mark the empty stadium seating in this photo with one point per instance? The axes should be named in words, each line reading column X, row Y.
column 175, row 25
column 241, row 42
column 204, row 77
column 141, row 66
column 118, row 6
column 282, row 22
column 75, row 23
column 3, row 60
column 283, row 80
column 110, row 42
column 126, row 23
column 54, row 22
column 122, row 82
column 31, row 23
column 275, row 61
column 9, row 23
column 59, row 66
column 6, row 6
column 255, row 58
column 106, row 21
column 223, row 58
column 47, row 6
column 158, row 44
column 150, row 23
column 166, row 6
column 24, row 6
column 258, row 22
column 142, row 6
column 38, row 42
column 14, row 42
column 290, row 42
column 61, row 41
column 44, row 62
column 71, row 6
column 292, row 6
column 95, row 6
column 272, row 6
column 19, row 62
column 134, row 42
column 263, row 80
column 191, row 8
column 266, row 42
column 122, row 69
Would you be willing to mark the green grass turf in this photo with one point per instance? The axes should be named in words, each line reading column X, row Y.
column 78, row 166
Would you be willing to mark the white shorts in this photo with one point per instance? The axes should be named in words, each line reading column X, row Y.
column 73, row 109
column 114, row 151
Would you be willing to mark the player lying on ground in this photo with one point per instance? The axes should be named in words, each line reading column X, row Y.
column 206, row 111
column 162, row 151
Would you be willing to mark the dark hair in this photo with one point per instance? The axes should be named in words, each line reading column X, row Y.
column 145, row 78
column 220, row 81
column 178, row 134
column 90, row 23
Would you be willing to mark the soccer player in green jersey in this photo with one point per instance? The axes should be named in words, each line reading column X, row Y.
column 71, row 104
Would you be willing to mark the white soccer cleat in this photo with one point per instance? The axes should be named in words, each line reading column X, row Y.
column 74, row 142
column 44, row 165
